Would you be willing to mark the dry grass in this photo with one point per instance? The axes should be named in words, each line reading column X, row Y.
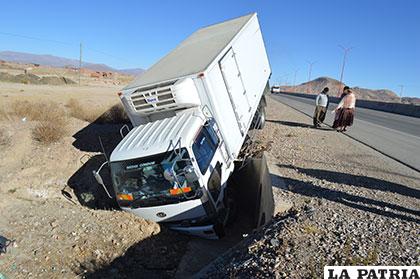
column 78, row 111
column 4, row 138
column 48, row 131
column 114, row 115
column 311, row 229
column 51, row 117
column 38, row 111
column 52, row 125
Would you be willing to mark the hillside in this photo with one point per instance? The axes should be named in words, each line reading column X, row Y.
column 315, row 86
column 60, row 62
column 411, row 100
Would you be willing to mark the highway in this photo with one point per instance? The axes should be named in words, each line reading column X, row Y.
column 394, row 135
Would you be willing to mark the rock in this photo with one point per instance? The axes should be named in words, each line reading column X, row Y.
column 275, row 242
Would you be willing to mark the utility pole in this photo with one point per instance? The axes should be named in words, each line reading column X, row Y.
column 346, row 50
column 310, row 69
column 80, row 62
column 401, row 91
column 294, row 78
column 309, row 74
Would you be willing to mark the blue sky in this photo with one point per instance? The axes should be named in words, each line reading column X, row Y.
column 385, row 35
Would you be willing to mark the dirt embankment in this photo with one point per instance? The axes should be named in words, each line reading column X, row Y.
column 61, row 222
column 34, row 79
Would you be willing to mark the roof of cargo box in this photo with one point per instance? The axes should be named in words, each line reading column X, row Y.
column 194, row 54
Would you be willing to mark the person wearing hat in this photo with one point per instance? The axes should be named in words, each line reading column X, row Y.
column 345, row 90
column 321, row 103
column 344, row 113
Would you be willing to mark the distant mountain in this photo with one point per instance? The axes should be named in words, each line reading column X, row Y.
column 60, row 62
column 317, row 85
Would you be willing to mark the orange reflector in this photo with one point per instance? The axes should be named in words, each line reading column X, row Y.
column 178, row 191
column 126, row 197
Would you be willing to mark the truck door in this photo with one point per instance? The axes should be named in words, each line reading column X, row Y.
column 235, row 88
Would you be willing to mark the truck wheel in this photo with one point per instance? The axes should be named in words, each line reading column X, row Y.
column 231, row 206
column 261, row 123
column 254, row 194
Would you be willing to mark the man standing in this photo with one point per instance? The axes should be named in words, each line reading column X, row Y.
column 321, row 103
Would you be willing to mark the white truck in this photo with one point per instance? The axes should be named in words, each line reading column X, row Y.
column 191, row 113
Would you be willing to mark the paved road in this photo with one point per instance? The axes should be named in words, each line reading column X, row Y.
column 395, row 135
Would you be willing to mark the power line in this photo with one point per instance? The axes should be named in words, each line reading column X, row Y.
column 35, row 38
column 62, row 43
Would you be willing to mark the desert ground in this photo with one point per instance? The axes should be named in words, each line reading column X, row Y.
column 349, row 205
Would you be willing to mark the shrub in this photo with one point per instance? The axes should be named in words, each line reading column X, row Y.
column 4, row 113
column 39, row 111
column 80, row 112
column 52, row 125
column 49, row 131
column 4, row 138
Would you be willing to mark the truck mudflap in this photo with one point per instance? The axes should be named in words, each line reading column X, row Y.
column 251, row 182
column 207, row 231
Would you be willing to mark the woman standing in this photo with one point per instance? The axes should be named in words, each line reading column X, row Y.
column 345, row 111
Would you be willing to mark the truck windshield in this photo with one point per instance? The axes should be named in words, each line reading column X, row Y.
column 143, row 178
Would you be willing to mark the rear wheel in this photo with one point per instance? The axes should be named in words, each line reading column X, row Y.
column 261, row 121
column 259, row 118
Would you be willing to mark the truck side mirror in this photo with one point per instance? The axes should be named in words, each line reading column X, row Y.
column 190, row 174
column 99, row 179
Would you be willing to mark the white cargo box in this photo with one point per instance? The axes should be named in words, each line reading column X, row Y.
column 222, row 68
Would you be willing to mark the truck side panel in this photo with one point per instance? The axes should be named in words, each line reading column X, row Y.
column 221, row 107
column 254, row 71
column 253, row 63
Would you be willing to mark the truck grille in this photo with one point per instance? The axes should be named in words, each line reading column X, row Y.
column 147, row 100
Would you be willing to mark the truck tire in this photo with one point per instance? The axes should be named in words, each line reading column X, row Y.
column 253, row 190
column 230, row 204
column 258, row 121
column 261, row 122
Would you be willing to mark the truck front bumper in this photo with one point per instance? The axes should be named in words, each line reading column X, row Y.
column 192, row 209
column 207, row 231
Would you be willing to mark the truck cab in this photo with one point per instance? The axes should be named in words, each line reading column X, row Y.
column 174, row 171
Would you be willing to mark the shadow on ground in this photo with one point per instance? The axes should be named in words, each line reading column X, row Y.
column 358, row 180
column 165, row 255
column 297, row 124
column 155, row 257
column 88, row 192
column 358, row 202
